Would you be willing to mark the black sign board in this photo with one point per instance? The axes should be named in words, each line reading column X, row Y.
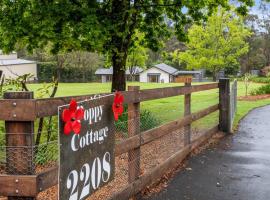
column 86, row 158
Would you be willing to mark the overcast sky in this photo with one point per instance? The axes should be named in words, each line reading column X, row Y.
column 256, row 10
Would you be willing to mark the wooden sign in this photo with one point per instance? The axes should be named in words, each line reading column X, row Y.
column 86, row 158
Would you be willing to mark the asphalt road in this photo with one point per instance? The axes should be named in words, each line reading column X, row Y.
column 236, row 169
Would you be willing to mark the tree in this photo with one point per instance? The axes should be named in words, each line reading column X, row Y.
column 106, row 26
column 137, row 55
column 264, row 23
column 217, row 44
column 254, row 59
column 247, row 81
column 259, row 51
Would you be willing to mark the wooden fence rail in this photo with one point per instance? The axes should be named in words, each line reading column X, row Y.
column 25, row 110
column 20, row 113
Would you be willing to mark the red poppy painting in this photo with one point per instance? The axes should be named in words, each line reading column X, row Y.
column 72, row 118
column 117, row 106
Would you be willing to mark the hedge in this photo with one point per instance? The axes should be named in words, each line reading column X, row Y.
column 46, row 71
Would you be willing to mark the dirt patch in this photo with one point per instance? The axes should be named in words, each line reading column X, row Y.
column 254, row 98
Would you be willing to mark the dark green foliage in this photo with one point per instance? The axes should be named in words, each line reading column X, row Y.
column 46, row 71
column 265, row 89
column 93, row 25
column 106, row 26
column 147, row 121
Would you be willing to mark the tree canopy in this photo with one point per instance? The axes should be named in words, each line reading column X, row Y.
column 106, row 26
column 218, row 44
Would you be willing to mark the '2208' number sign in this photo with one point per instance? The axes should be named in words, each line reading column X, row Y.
column 87, row 158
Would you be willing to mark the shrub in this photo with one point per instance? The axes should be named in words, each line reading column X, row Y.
column 46, row 71
column 264, row 89
column 256, row 79
column 260, row 80
column 147, row 121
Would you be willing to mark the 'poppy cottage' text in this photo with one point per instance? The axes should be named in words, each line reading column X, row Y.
column 86, row 148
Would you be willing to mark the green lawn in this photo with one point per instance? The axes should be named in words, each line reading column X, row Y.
column 169, row 108
column 165, row 110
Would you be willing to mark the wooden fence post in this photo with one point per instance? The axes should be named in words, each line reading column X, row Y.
column 224, row 103
column 133, row 129
column 20, row 144
column 187, row 111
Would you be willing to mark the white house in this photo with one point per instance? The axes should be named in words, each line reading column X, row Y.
column 160, row 73
column 12, row 67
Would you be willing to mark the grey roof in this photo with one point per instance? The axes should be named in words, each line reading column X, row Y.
column 166, row 68
column 104, row 71
column 6, row 62
column 109, row 71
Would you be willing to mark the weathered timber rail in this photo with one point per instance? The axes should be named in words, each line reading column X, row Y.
column 26, row 109
column 19, row 112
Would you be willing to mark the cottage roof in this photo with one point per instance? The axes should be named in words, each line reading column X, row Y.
column 166, row 68
column 6, row 62
column 104, row 71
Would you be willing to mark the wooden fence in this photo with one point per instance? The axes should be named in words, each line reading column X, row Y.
column 19, row 111
column 233, row 103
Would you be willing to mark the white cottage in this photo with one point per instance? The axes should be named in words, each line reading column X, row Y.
column 160, row 73
column 12, row 67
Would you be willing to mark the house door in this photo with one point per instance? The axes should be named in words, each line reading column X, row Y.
column 154, row 78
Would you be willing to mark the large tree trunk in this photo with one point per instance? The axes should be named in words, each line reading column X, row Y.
column 214, row 76
column 120, row 44
column 119, row 72
column 123, row 18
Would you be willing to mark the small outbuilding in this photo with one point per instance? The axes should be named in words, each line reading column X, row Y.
column 12, row 67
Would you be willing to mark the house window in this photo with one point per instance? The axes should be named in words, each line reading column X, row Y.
column 153, row 78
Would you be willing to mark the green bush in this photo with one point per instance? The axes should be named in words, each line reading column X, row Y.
column 46, row 71
column 260, row 80
column 264, row 89
column 147, row 121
